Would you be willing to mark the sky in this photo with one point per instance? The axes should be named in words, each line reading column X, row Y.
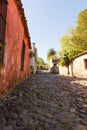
column 49, row 20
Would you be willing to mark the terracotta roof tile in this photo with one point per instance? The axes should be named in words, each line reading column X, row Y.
column 83, row 53
column 23, row 18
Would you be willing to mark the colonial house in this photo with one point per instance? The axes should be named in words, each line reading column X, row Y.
column 33, row 58
column 14, row 45
column 77, row 68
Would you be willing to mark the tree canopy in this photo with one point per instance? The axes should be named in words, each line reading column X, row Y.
column 51, row 54
column 75, row 41
column 40, row 61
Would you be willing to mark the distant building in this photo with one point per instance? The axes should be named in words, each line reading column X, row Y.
column 78, row 66
column 33, row 59
column 14, row 45
column 54, row 60
column 54, row 67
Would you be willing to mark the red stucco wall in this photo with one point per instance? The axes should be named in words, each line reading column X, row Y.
column 10, row 73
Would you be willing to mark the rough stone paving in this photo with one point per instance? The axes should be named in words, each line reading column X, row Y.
column 45, row 101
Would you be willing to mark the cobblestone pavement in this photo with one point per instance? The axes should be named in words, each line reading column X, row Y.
column 45, row 101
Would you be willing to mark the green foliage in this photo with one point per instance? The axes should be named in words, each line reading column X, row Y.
column 75, row 41
column 65, row 60
column 62, row 62
column 51, row 54
column 40, row 61
column 82, row 21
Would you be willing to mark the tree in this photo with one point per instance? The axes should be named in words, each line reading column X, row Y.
column 75, row 41
column 51, row 54
column 82, row 22
column 80, row 36
column 81, row 29
column 40, row 62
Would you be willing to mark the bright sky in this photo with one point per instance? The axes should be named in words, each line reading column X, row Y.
column 49, row 20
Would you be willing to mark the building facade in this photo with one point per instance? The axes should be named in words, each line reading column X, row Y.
column 77, row 68
column 33, row 58
column 14, row 45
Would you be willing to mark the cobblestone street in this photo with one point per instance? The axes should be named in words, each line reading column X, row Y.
column 45, row 101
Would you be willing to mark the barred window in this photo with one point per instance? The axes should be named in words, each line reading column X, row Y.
column 3, row 12
column 22, row 56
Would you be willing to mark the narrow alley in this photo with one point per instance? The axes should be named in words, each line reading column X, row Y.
column 45, row 101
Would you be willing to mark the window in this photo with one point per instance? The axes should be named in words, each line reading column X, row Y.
column 85, row 63
column 22, row 56
column 3, row 12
